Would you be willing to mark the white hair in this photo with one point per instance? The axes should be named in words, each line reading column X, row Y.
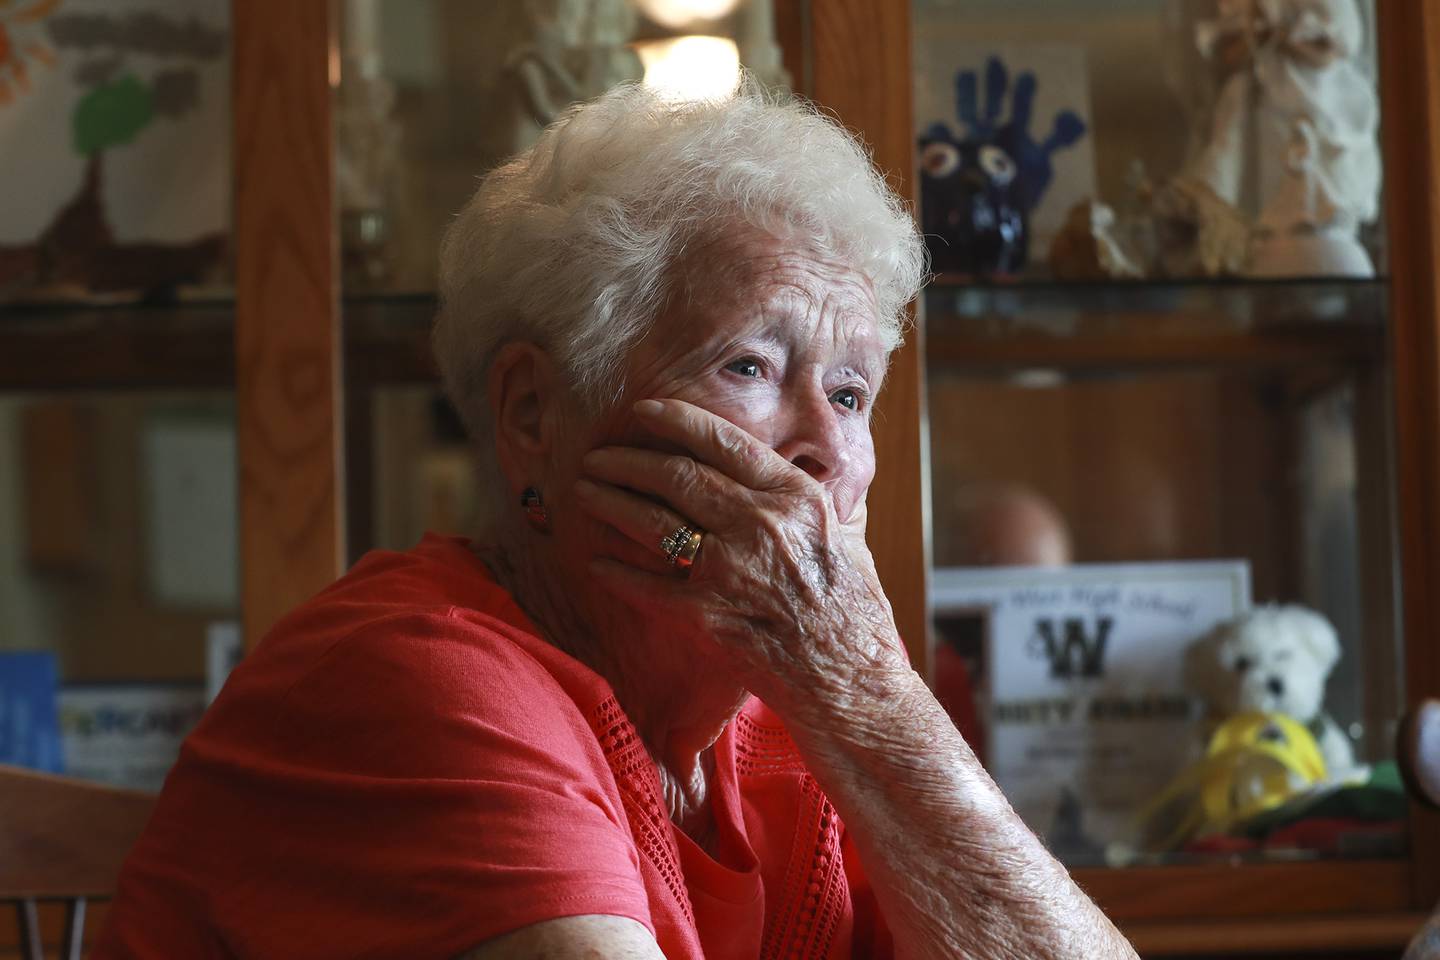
column 570, row 244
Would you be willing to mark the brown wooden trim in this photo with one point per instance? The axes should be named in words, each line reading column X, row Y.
column 861, row 71
column 1191, row 893
column 1384, row 933
column 1347, row 344
column 287, row 325
column 359, row 466
column 790, row 35
column 1410, row 93
column 387, row 341
column 1382, row 655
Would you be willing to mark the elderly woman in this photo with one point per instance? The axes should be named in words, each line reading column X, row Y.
column 658, row 707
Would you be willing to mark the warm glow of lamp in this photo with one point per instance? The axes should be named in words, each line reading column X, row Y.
column 678, row 13
column 691, row 68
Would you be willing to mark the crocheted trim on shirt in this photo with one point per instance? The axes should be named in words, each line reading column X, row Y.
column 762, row 749
column 815, row 888
column 641, row 796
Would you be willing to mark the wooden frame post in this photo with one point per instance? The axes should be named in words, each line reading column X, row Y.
column 287, row 323
column 1410, row 98
column 860, row 69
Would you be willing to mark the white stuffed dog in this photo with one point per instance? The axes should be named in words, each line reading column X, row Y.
column 1274, row 659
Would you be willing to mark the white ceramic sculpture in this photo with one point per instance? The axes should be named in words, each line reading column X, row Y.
column 1292, row 138
column 368, row 138
column 561, row 51
column 367, row 149
column 755, row 36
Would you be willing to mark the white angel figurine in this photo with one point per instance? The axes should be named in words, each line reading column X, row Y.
column 1292, row 141
column 1305, row 230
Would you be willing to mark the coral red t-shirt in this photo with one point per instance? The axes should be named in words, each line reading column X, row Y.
column 403, row 768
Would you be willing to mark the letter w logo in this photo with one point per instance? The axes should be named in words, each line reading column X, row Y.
column 1071, row 651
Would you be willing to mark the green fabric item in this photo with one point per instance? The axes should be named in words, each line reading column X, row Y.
column 1387, row 774
column 1380, row 798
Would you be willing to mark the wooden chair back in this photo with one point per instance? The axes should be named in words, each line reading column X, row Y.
column 62, row 839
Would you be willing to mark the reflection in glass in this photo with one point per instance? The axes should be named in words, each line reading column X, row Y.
column 434, row 93
column 1194, row 369
column 118, row 570
column 424, row 474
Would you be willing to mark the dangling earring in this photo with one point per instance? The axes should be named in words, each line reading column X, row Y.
column 535, row 511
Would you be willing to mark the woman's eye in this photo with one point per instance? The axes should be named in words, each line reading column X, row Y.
column 849, row 399
column 745, row 366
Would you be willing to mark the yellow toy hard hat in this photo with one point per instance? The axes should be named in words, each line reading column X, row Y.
column 1253, row 763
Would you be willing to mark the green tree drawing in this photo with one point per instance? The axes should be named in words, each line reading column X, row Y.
column 111, row 115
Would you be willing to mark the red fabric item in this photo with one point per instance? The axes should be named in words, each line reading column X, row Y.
column 1327, row 834
column 1221, row 843
column 956, row 692
column 404, row 768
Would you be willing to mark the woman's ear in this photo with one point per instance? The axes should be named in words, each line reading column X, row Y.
column 525, row 394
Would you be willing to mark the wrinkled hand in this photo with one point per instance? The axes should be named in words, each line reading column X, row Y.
column 781, row 584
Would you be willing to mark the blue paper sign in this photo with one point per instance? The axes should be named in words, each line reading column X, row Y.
column 29, row 711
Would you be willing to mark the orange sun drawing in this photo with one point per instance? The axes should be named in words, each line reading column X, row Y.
column 14, row 69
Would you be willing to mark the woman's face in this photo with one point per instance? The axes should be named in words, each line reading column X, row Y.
column 775, row 340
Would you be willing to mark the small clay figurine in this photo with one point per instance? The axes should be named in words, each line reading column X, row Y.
column 970, row 208
column 979, row 187
column 1086, row 248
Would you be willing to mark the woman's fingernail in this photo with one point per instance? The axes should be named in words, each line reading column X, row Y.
column 650, row 408
column 585, row 490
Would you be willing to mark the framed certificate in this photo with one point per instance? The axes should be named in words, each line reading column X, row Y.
column 1083, row 705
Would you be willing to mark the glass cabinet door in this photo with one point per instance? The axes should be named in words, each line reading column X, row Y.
column 1165, row 590
column 118, row 575
column 431, row 96
column 118, row 471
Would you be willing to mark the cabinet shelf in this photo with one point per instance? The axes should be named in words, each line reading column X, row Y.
column 1120, row 326
column 387, row 339
column 69, row 346
column 84, row 346
column 1194, row 892
column 1085, row 326
column 1375, row 935
column 1211, row 909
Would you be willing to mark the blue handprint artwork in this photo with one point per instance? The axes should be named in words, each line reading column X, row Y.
column 980, row 186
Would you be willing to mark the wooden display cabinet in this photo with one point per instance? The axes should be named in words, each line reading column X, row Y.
column 295, row 350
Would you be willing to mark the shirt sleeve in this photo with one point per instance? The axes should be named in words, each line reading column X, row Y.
column 424, row 787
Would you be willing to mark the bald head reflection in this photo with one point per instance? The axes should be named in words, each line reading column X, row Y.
column 999, row 524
